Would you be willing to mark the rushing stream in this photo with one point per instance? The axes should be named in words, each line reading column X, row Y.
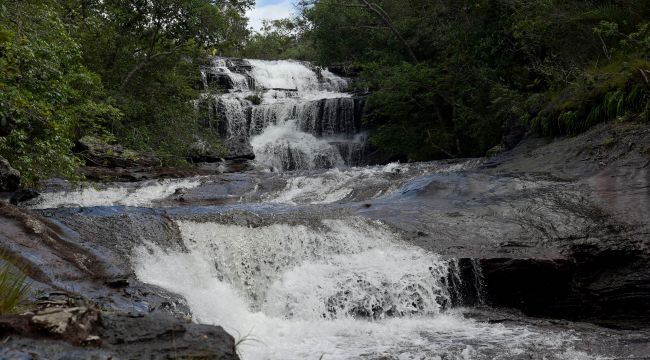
column 299, row 276
column 347, row 290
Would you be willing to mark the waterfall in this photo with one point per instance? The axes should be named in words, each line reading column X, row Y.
column 338, row 289
column 294, row 115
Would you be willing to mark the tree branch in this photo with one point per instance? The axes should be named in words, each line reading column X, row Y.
column 143, row 63
column 383, row 15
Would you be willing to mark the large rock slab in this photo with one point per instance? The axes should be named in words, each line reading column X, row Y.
column 239, row 149
column 560, row 228
column 81, row 332
column 74, row 275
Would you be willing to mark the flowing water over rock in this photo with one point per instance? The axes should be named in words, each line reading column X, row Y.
column 328, row 261
column 346, row 290
column 301, row 265
column 295, row 116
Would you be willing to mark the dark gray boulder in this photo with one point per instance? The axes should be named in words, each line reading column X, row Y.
column 109, row 313
column 82, row 332
column 203, row 151
column 9, row 177
column 99, row 153
column 239, row 149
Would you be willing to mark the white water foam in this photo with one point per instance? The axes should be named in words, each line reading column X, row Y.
column 359, row 183
column 299, row 292
column 144, row 194
column 283, row 147
column 239, row 81
column 294, row 75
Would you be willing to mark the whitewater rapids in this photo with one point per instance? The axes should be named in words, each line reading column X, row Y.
column 348, row 290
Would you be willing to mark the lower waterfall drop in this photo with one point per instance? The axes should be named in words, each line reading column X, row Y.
column 335, row 290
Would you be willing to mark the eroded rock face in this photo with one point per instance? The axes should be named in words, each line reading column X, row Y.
column 75, row 324
column 560, row 229
column 202, row 151
column 85, row 331
column 239, row 149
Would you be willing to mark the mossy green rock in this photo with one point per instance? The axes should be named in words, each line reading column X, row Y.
column 99, row 153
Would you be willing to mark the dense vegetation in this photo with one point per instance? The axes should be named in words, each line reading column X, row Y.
column 447, row 78
column 122, row 71
column 451, row 77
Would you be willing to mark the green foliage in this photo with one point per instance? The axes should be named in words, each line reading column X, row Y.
column 448, row 78
column 46, row 94
column 615, row 91
column 122, row 71
column 279, row 39
column 420, row 114
column 148, row 54
column 14, row 287
column 483, row 67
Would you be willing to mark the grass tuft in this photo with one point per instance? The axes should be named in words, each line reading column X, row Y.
column 14, row 287
column 248, row 339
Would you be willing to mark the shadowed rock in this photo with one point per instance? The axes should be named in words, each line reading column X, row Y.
column 85, row 331
column 99, row 153
column 9, row 177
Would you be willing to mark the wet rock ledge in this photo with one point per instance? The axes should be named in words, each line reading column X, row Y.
column 117, row 318
column 69, row 330
column 561, row 229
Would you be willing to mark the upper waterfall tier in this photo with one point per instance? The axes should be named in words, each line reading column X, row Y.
column 260, row 75
column 302, row 101
column 295, row 76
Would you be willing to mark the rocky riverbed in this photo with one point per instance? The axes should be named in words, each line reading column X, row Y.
column 537, row 253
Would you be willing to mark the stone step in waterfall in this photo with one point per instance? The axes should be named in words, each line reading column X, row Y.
column 294, row 115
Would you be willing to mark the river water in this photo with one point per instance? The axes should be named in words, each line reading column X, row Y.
column 326, row 286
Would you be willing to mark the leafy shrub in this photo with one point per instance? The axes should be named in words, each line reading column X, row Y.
column 46, row 94
column 618, row 93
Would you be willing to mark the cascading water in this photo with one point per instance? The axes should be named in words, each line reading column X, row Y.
column 143, row 194
column 338, row 289
column 299, row 277
column 295, row 116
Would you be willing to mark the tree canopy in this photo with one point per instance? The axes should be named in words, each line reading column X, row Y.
column 452, row 77
column 119, row 70
column 446, row 78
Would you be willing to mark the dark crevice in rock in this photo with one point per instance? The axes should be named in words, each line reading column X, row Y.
column 610, row 287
